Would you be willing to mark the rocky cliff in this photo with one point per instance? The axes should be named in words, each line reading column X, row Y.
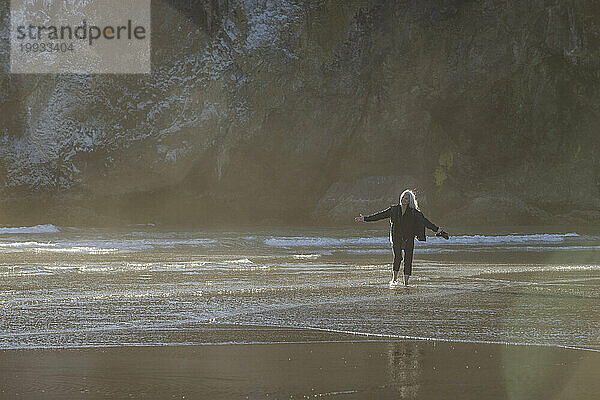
column 265, row 111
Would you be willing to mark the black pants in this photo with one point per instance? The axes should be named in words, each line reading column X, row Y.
column 408, row 246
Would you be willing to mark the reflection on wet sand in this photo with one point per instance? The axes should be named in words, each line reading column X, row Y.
column 405, row 368
column 341, row 369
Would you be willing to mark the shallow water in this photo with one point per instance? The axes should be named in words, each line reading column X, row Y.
column 69, row 287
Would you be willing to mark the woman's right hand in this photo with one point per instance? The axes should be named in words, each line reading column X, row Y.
column 361, row 218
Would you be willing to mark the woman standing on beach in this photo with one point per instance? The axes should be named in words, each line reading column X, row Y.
column 406, row 221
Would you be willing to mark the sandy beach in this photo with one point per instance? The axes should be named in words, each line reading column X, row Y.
column 307, row 364
column 156, row 314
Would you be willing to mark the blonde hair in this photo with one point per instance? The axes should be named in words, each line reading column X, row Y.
column 412, row 202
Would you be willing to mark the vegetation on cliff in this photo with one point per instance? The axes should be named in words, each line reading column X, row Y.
column 277, row 111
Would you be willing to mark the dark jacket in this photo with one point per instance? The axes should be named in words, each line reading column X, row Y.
column 416, row 225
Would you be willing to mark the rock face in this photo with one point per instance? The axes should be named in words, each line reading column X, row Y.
column 265, row 111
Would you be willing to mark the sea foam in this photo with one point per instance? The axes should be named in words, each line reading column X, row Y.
column 48, row 228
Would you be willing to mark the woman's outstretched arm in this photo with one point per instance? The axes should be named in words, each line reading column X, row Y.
column 431, row 225
column 435, row 228
column 375, row 217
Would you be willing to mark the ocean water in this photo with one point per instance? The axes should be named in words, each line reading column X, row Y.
column 63, row 287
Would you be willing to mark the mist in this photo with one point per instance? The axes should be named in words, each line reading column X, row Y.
column 308, row 112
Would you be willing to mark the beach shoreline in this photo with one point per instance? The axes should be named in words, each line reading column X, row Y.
column 303, row 364
column 102, row 314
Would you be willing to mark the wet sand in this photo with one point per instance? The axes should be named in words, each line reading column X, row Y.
column 311, row 364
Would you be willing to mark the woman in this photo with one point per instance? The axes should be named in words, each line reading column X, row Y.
column 407, row 221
